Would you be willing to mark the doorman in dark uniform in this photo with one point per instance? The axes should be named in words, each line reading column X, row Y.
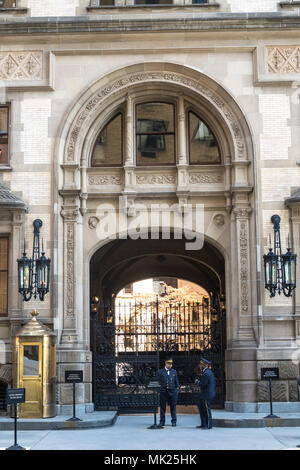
column 207, row 382
column 169, row 384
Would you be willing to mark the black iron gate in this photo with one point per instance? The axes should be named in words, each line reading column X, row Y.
column 132, row 340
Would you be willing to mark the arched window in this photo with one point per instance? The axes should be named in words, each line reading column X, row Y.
column 155, row 134
column 203, row 146
column 108, row 149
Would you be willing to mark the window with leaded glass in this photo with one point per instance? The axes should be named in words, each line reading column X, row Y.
column 155, row 134
column 108, row 149
column 203, row 146
column 3, row 276
column 4, row 116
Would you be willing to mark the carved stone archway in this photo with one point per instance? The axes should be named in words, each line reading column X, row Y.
column 77, row 186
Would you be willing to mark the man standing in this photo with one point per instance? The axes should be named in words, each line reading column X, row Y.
column 206, row 380
column 169, row 384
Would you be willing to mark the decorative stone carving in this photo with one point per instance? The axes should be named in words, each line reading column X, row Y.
column 242, row 215
column 283, row 59
column 97, row 180
column 93, row 104
column 156, row 179
column 219, row 220
column 26, row 65
column 279, row 391
column 93, row 222
column 293, row 391
column 202, row 178
column 70, row 271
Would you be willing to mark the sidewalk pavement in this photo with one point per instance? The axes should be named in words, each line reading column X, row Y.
column 221, row 419
column 131, row 433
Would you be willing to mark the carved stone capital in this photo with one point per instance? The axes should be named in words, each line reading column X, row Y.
column 70, row 214
column 242, row 212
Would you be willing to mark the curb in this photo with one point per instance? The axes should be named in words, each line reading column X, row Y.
column 58, row 425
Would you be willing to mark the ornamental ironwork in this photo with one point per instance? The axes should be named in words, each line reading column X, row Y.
column 133, row 339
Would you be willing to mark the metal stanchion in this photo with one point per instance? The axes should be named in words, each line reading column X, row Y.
column 155, row 386
column 13, row 397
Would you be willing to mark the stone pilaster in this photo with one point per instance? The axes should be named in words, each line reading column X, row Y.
column 245, row 333
column 17, row 237
column 182, row 161
column 70, row 214
column 129, row 179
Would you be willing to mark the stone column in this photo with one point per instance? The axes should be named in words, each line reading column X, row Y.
column 72, row 354
column 183, row 160
column 245, row 329
column 70, row 215
column 15, row 305
column 83, row 195
column 128, row 150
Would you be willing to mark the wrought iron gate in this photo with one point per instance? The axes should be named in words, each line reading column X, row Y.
column 132, row 340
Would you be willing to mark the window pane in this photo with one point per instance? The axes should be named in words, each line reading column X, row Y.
column 3, row 254
column 155, row 117
column 3, row 292
column 203, row 145
column 31, row 361
column 8, row 4
column 106, row 2
column 3, row 121
column 108, row 148
column 155, row 149
column 153, row 2
column 3, row 275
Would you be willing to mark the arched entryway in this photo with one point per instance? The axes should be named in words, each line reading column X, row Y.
column 223, row 188
column 130, row 341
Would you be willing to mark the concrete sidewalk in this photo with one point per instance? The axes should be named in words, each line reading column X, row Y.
column 131, row 433
column 98, row 419
column 221, row 419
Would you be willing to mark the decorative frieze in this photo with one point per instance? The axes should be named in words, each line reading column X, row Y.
column 25, row 65
column 98, row 180
column 205, row 178
column 283, row 59
column 156, row 179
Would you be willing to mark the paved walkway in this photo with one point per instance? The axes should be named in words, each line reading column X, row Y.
column 130, row 432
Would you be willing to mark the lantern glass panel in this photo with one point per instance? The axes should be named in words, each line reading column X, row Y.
column 268, row 273
column 274, row 272
column 26, row 277
column 293, row 271
column 287, row 272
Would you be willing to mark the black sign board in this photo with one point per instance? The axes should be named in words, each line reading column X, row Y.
column 153, row 384
column 270, row 373
column 15, row 395
column 73, row 376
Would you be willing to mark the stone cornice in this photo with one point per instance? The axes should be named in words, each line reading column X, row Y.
column 161, row 21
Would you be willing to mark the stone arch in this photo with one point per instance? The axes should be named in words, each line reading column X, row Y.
column 111, row 89
column 76, row 135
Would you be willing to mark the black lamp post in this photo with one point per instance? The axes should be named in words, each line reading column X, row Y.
column 280, row 270
column 34, row 273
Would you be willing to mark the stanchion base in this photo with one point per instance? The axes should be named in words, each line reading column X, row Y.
column 271, row 417
column 17, row 447
column 155, row 426
column 73, row 419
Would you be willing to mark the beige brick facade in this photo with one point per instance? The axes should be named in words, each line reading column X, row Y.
column 66, row 81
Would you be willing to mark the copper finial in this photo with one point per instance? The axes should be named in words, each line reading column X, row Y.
column 34, row 313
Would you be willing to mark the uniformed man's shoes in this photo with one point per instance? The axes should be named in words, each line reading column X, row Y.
column 203, row 427
column 173, row 424
column 161, row 424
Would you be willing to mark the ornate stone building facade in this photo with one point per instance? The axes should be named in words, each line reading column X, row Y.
column 179, row 103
